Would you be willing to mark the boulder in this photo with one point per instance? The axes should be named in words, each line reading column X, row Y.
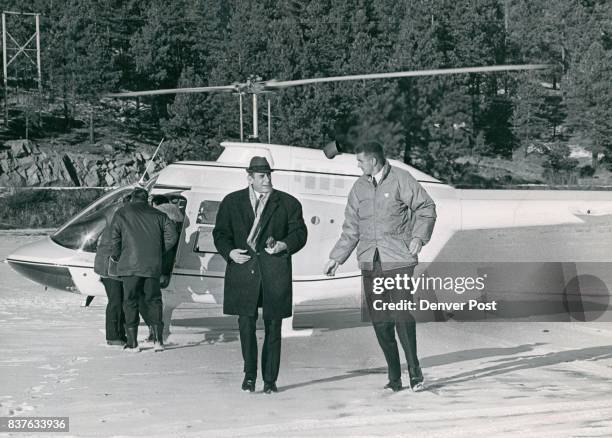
column 19, row 148
column 5, row 165
column 15, row 180
column 70, row 168
column 109, row 180
column 47, row 172
column 32, row 175
column 25, row 161
column 123, row 162
column 92, row 179
column 57, row 169
column 116, row 174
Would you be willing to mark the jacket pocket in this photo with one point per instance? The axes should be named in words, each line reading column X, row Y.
column 366, row 209
column 407, row 241
column 361, row 248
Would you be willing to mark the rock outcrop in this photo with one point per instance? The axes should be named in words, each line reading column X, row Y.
column 23, row 163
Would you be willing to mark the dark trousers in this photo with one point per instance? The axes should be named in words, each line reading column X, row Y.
column 403, row 323
column 146, row 292
column 115, row 319
column 270, row 351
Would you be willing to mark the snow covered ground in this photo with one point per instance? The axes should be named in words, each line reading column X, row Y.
column 484, row 379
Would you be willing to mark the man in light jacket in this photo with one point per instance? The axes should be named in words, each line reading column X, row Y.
column 140, row 234
column 388, row 218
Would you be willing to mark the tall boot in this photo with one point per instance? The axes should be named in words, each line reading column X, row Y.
column 158, row 337
column 132, row 339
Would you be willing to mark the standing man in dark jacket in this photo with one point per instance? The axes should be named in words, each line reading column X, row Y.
column 115, row 319
column 257, row 230
column 388, row 218
column 140, row 234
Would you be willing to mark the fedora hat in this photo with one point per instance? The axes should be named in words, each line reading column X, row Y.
column 259, row 165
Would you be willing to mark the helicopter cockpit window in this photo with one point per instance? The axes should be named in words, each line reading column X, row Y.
column 82, row 231
column 207, row 215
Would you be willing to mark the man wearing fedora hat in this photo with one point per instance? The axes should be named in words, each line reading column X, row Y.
column 257, row 231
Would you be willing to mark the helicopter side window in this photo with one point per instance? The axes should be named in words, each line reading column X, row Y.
column 207, row 215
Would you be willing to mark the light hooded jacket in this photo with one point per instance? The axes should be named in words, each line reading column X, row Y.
column 140, row 234
column 386, row 217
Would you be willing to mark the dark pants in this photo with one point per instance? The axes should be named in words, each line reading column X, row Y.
column 115, row 319
column 401, row 322
column 146, row 291
column 271, row 349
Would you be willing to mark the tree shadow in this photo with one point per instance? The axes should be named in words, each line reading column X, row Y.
column 324, row 320
column 430, row 361
column 210, row 338
column 512, row 364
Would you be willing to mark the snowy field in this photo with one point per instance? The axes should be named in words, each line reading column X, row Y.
column 484, row 379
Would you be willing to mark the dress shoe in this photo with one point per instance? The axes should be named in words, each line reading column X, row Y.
column 158, row 340
column 150, row 339
column 418, row 387
column 132, row 338
column 248, row 384
column 394, row 385
column 416, row 379
column 114, row 342
column 270, row 387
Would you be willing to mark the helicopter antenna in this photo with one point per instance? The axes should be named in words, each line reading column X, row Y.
column 141, row 180
column 269, row 119
column 241, row 121
column 255, row 118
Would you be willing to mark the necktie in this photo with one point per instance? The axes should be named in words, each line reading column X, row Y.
column 257, row 202
column 374, row 182
column 256, row 227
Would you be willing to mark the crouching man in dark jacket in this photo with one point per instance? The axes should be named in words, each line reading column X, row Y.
column 140, row 234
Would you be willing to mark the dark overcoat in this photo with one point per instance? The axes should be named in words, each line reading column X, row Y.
column 281, row 219
column 103, row 251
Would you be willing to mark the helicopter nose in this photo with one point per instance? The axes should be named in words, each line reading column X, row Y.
column 44, row 262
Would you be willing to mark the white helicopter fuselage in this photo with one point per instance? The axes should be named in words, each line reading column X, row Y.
column 322, row 186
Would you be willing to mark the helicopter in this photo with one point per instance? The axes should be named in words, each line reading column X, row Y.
column 320, row 179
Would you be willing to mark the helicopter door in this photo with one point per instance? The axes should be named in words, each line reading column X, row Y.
column 199, row 269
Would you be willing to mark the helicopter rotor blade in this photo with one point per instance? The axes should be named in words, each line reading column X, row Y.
column 273, row 84
column 216, row 89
